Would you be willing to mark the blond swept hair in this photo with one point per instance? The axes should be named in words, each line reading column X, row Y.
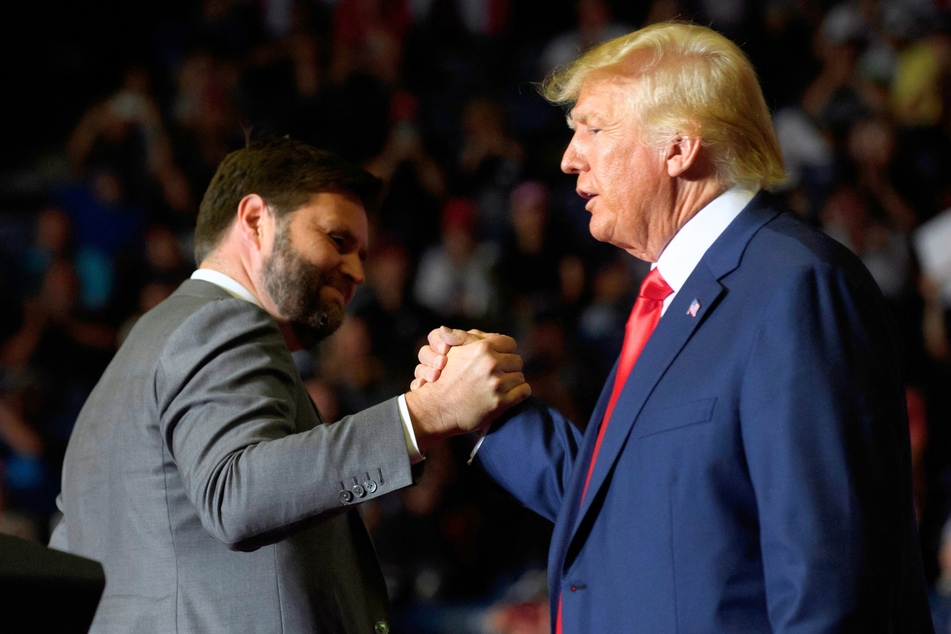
column 689, row 80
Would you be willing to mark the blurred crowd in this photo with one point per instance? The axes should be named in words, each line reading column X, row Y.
column 119, row 134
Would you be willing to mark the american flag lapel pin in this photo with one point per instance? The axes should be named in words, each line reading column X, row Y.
column 694, row 307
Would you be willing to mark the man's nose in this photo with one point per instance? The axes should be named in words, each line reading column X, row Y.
column 352, row 267
column 571, row 161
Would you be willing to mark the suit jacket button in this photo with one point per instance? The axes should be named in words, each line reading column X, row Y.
column 358, row 490
column 370, row 486
column 381, row 627
column 346, row 497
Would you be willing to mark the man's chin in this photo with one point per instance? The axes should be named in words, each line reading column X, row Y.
column 304, row 336
column 598, row 232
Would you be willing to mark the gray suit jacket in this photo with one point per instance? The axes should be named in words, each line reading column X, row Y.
column 200, row 475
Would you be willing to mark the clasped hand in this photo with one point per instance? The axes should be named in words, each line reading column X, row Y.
column 464, row 381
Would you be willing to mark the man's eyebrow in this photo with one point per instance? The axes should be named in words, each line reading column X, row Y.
column 582, row 117
column 572, row 118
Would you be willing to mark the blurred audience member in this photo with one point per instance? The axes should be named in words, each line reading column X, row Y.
column 415, row 181
column 595, row 24
column 368, row 38
column 531, row 249
column 840, row 92
column 523, row 609
column 151, row 272
column 602, row 321
column 359, row 378
column 52, row 240
column 396, row 321
column 53, row 361
column 489, row 163
column 124, row 132
column 455, row 278
column 205, row 120
column 106, row 222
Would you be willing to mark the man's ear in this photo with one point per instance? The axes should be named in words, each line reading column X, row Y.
column 682, row 154
column 251, row 221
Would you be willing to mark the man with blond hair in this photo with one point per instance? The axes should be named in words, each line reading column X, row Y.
column 747, row 466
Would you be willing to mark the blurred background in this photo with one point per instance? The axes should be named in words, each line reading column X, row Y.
column 117, row 113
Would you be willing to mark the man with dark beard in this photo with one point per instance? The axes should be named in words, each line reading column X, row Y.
column 200, row 473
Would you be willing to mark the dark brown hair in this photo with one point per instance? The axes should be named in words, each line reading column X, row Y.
column 286, row 173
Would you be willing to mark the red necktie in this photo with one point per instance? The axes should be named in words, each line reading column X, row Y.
column 640, row 325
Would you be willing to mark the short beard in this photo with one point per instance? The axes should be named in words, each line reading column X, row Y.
column 294, row 285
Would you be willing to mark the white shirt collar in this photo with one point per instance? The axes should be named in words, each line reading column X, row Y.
column 226, row 282
column 685, row 249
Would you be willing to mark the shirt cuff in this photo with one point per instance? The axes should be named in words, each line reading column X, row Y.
column 475, row 449
column 411, row 445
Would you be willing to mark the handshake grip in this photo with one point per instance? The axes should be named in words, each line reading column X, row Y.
column 464, row 381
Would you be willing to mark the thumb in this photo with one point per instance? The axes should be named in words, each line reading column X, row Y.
column 456, row 337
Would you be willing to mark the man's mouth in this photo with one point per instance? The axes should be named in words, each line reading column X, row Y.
column 588, row 196
column 346, row 292
column 585, row 194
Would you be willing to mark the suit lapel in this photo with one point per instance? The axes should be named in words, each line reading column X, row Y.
column 671, row 335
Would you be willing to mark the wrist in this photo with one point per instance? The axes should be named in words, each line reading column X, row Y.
column 423, row 414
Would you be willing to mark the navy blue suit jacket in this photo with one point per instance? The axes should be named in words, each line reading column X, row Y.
column 755, row 476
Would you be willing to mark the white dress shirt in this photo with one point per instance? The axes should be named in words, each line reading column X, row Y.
column 683, row 252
